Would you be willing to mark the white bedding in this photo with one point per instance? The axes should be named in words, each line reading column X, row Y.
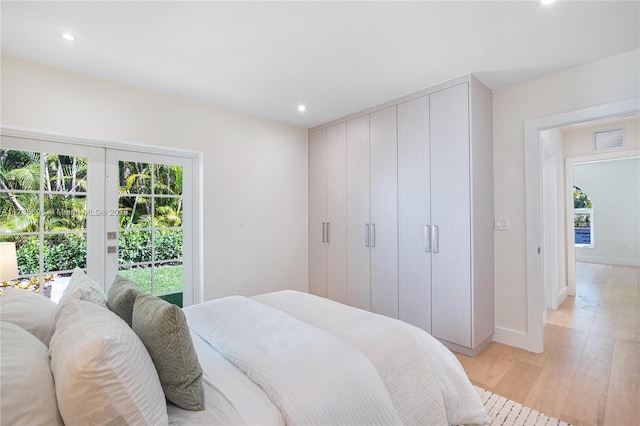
column 254, row 374
column 231, row 398
column 407, row 358
column 313, row 377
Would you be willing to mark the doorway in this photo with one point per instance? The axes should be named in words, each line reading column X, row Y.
column 610, row 181
column 534, row 338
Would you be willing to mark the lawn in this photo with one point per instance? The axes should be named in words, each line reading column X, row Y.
column 168, row 279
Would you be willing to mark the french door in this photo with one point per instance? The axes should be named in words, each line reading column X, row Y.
column 149, row 234
column 107, row 211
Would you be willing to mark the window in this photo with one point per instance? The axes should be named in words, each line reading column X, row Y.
column 43, row 209
column 582, row 218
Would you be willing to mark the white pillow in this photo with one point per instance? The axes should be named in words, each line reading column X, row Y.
column 81, row 286
column 27, row 394
column 102, row 371
column 29, row 310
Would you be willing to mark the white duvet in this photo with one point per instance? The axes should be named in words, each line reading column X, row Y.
column 309, row 360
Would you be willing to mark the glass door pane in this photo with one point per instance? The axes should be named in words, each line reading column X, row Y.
column 151, row 225
column 44, row 195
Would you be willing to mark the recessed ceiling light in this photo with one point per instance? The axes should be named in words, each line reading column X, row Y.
column 302, row 108
column 67, row 36
column 547, row 1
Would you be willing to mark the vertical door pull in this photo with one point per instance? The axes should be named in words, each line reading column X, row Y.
column 436, row 239
column 366, row 235
column 323, row 230
column 328, row 229
column 373, row 235
column 427, row 238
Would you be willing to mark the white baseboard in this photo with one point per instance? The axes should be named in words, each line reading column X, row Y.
column 516, row 338
column 562, row 295
column 608, row 260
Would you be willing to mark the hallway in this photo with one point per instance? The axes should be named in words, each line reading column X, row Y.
column 589, row 373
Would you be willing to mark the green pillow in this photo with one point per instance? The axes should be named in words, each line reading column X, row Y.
column 163, row 329
column 122, row 295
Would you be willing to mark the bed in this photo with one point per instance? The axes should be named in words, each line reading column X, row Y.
column 279, row 358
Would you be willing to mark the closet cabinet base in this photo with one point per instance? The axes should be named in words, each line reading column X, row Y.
column 467, row 351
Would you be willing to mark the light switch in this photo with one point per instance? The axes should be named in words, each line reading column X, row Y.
column 242, row 221
column 501, row 223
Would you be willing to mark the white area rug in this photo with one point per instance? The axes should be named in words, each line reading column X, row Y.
column 503, row 411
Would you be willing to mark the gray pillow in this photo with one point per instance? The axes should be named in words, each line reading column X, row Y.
column 163, row 329
column 122, row 295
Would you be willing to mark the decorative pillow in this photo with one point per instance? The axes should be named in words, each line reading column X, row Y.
column 31, row 311
column 122, row 296
column 102, row 371
column 81, row 286
column 163, row 329
column 27, row 394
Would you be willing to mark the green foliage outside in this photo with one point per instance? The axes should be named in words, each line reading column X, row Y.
column 150, row 197
column 62, row 252
column 581, row 201
column 168, row 279
column 135, row 246
column 140, row 185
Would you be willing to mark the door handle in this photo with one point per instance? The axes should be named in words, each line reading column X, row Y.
column 323, row 230
column 366, row 235
column 373, row 235
column 427, row 238
column 435, row 239
column 328, row 230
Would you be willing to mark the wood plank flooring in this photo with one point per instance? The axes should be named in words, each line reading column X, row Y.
column 589, row 373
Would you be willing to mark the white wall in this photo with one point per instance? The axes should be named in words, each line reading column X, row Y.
column 614, row 189
column 608, row 80
column 253, row 168
column 578, row 142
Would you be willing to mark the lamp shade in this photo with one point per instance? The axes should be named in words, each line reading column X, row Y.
column 8, row 262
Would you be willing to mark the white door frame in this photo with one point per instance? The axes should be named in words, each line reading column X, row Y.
column 196, row 160
column 533, row 207
column 550, row 229
column 571, row 247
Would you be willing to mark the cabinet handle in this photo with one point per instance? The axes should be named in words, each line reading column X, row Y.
column 366, row 235
column 373, row 235
column 328, row 231
column 427, row 238
column 323, row 230
column 435, row 237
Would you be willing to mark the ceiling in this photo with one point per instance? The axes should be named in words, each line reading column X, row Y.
column 266, row 58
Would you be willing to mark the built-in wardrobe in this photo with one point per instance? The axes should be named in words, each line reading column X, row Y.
column 401, row 212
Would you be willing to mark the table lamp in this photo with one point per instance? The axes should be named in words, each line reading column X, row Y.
column 8, row 262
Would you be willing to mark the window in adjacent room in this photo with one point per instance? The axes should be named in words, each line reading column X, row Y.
column 582, row 218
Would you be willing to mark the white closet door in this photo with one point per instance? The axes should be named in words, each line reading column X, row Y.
column 317, row 213
column 337, row 213
column 414, row 260
column 358, row 214
column 450, row 213
column 384, row 212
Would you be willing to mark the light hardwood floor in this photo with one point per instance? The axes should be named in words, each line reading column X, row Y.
column 589, row 373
